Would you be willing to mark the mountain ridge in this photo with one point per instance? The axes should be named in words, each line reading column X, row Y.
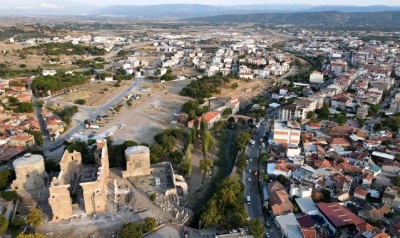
column 329, row 18
column 177, row 11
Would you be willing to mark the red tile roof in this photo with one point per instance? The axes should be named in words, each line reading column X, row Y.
column 309, row 232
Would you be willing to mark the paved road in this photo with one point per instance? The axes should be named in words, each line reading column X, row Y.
column 252, row 189
column 90, row 113
column 38, row 113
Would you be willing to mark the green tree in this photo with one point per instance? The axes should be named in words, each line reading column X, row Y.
column 311, row 115
column 227, row 112
column 3, row 224
column 378, row 126
column 227, row 201
column 234, row 85
column 208, row 142
column 265, row 177
column 153, row 197
column 149, row 224
column 80, row 101
column 51, row 166
column 38, row 137
column 4, row 177
column 130, row 230
column 326, row 195
column 242, row 140
column 264, row 157
column 9, row 195
column 35, row 217
column 237, row 219
column 395, row 180
column 282, row 179
column 186, row 166
column 256, row 228
column 13, row 101
column 24, row 107
column 17, row 223
column 205, row 166
column 324, row 112
column 211, row 216
column 282, row 100
column 241, row 160
column 374, row 108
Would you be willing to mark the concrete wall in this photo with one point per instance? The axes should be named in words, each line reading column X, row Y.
column 60, row 200
column 95, row 193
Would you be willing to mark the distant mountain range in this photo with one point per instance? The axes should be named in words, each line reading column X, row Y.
column 329, row 18
column 24, row 8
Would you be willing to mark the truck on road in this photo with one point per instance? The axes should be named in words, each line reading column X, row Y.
column 91, row 126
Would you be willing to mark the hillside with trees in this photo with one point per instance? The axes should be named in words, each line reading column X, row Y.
column 64, row 49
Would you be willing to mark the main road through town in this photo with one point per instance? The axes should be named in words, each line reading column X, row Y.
column 252, row 182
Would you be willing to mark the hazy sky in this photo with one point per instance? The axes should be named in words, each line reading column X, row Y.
column 211, row 2
column 246, row 2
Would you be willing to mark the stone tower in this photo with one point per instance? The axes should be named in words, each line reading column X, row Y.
column 30, row 173
column 137, row 161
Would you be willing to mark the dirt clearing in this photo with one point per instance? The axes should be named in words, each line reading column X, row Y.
column 245, row 90
column 96, row 93
column 147, row 116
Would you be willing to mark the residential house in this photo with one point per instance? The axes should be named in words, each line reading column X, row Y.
column 22, row 140
column 371, row 144
column 279, row 167
column 286, row 132
column 279, row 199
column 339, row 141
column 50, row 72
column 391, row 167
column 316, row 77
column 234, row 104
column 366, row 179
column 371, row 213
column 209, row 117
column 360, row 192
column 300, row 191
column 362, row 111
column 340, row 102
column 337, row 66
column 391, row 195
column 289, row 225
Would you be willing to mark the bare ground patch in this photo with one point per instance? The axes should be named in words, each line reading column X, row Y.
column 96, row 93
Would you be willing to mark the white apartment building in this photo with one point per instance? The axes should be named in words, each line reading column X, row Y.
column 286, row 132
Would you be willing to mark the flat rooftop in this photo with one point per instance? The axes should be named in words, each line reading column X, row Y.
column 137, row 150
column 27, row 159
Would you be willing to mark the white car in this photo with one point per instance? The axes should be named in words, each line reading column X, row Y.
column 249, row 179
column 249, row 171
